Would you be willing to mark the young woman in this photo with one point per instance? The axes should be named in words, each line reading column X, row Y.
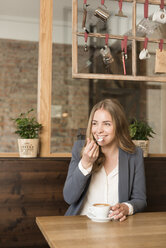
column 107, row 167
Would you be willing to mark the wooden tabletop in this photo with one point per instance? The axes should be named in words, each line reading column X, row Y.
column 142, row 230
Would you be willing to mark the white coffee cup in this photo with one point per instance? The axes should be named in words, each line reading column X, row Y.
column 159, row 16
column 100, row 210
column 144, row 54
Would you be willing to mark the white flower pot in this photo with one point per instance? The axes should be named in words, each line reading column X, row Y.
column 28, row 148
column 144, row 144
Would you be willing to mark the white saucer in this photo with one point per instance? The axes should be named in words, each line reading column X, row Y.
column 96, row 219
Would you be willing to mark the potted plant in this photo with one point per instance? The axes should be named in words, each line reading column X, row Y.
column 28, row 128
column 140, row 132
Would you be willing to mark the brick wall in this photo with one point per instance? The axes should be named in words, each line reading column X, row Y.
column 18, row 93
column 72, row 95
column 18, row 86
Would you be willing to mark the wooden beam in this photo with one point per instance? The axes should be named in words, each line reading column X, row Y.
column 121, row 37
column 153, row 2
column 9, row 154
column 74, row 38
column 142, row 79
column 134, row 47
column 45, row 74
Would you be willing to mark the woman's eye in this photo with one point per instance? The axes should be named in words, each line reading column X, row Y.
column 93, row 123
column 107, row 124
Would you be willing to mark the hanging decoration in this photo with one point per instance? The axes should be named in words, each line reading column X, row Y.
column 144, row 54
column 106, row 53
column 85, row 6
column 103, row 3
column 86, row 39
column 101, row 13
column 146, row 26
column 120, row 13
column 124, row 53
column 146, row 8
column 160, row 14
column 160, row 62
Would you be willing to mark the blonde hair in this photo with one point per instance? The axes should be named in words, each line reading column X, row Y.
column 121, row 126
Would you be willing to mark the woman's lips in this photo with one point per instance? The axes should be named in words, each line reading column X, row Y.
column 100, row 139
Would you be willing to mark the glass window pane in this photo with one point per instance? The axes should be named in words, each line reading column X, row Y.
column 72, row 99
column 142, row 100
column 99, row 58
column 19, row 34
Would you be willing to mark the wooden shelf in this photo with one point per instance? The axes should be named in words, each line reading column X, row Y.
column 120, row 37
column 133, row 38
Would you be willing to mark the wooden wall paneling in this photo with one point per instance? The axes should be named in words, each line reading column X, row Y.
column 34, row 187
column 45, row 74
column 155, row 171
column 30, row 188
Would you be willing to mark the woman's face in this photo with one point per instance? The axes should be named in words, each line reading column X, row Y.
column 102, row 128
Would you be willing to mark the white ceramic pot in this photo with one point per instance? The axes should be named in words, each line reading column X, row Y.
column 28, row 148
column 144, row 144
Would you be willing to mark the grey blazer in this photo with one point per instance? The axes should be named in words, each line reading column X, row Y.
column 131, row 180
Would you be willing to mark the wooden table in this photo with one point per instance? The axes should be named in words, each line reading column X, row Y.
column 142, row 230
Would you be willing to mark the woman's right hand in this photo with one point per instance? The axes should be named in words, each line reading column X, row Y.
column 90, row 154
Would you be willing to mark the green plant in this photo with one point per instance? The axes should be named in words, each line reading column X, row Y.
column 27, row 127
column 140, row 130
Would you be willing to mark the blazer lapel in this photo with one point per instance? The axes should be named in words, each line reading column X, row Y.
column 123, row 176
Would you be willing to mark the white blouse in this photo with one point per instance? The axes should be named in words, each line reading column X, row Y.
column 103, row 188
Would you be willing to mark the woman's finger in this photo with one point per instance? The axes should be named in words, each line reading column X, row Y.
column 118, row 216
column 115, row 207
column 94, row 151
column 90, row 145
column 95, row 155
column 118, row 212
column 90, row 150
column 89, row 154
column 123, row 218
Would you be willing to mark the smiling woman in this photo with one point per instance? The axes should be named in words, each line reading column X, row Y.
column 99, row 171
column 107, row 121
column 103, row 129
